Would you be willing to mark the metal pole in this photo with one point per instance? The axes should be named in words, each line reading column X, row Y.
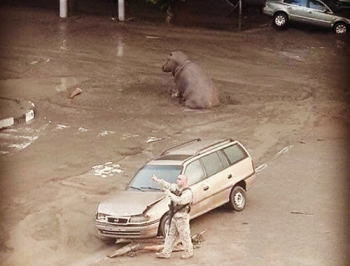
column 63, row 8
column 240, row 15
column 121, row 10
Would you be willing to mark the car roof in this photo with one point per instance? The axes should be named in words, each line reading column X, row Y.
column 177, row 154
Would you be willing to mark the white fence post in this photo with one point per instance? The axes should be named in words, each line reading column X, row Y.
column 121, row 10
column 63, row 8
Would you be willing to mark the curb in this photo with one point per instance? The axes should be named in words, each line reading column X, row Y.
column 15, row 111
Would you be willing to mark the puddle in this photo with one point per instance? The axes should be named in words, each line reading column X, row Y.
column 62, row 33
column 120, row 47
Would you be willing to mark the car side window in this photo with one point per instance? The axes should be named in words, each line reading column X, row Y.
column 224, row 159
column 296, row 2
column 212, row 163
column 235, row 153
column 194, row 172
column 316, row 5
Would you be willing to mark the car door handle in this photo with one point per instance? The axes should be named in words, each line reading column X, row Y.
column 229, row 176
column 205, row 188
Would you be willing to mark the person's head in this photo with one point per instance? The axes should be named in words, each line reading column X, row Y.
column 181, row 181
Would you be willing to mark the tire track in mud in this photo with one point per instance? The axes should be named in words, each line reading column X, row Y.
column 277, row 155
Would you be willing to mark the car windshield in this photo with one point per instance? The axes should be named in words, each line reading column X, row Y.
column 142, row 180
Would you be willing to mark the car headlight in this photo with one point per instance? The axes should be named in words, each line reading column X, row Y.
column 139, row 218
column 100, row 216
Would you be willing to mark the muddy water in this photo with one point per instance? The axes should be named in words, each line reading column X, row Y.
column 277, row 91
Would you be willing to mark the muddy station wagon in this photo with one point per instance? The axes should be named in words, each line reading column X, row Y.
column 218, row 172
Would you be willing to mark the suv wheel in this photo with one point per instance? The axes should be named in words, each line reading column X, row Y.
column 237, row 198
column 340, row 28
column 280, row 20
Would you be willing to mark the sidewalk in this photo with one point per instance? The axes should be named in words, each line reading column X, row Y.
column 15, row 111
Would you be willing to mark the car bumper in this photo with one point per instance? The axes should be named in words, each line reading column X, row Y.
column 250, row 181
column 127, row 231
column 267, row 11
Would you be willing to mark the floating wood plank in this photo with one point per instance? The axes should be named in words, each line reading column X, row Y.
column 154, row 245
column 126, row 249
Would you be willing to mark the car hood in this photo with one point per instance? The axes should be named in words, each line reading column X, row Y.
column 129, row 203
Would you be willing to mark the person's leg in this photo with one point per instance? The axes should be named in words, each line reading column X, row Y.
column 169, row 241
column 185, row 236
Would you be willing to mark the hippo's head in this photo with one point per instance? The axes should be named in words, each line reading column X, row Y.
column 174, row 61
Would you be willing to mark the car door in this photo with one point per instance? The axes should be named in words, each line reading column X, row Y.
column 202, row 200
column 297, row 10
column 217, row 177
column 319, row 14
column 241, row 165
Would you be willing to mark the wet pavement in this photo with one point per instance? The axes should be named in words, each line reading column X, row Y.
column 282, row 96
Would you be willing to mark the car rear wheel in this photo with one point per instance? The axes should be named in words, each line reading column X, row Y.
column 237, row 198
column 164, row 225
column 340, row 28
column 280, row 20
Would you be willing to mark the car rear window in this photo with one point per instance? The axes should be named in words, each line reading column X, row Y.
column 235, row 153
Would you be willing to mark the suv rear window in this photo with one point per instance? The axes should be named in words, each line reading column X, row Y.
column 235, row 153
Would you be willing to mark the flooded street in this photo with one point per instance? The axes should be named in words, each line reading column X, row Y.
column 283, row 94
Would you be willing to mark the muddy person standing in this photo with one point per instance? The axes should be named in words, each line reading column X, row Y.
column 180, row 199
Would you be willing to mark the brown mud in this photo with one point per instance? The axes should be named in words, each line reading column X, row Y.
column 284, row 95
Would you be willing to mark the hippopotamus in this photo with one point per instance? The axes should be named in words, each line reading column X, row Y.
column 193, row 87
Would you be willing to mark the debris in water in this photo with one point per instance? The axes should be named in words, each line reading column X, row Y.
column 153, row 139
column 60, row 127
column 152, row 37
column 105, row 133
column 76, row 92
column 106, row 170
column 302, row 213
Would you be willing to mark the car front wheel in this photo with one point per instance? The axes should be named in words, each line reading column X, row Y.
column 237, row 198
column 280, row 20
column 164, row 225
column 340, row 28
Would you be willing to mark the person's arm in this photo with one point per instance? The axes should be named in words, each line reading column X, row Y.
column 164, row 184
column 185, row 198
